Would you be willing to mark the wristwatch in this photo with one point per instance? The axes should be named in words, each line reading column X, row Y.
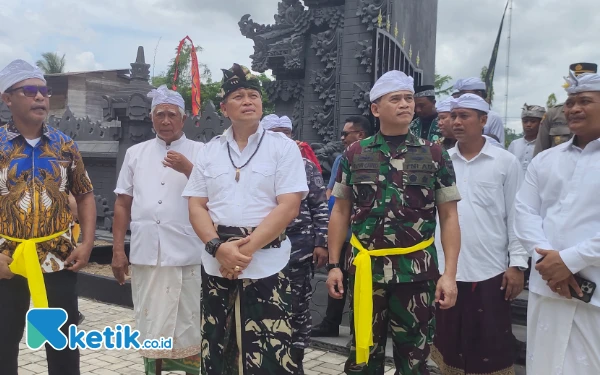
column 213, row 245
column 330, row 266
column 522, row 269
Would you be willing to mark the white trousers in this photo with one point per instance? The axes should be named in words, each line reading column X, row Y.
column 563, row 337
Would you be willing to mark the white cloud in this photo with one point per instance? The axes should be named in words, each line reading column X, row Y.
column 547, row 36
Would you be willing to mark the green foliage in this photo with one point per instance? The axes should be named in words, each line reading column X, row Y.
column 490, row 90
column 209, row 89
column 510, row 135
column 439, row 83
column 551, row 102
column 51, row 63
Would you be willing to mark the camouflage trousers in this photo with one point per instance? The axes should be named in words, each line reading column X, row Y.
column 408, row 309
column 300, row 275
column 246, row 325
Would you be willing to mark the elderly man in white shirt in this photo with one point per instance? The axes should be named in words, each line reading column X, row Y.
column 165, row 250
column 494, row 126
column 558, row 220
column 245, row 189
column 475, row 336
column 523, row 147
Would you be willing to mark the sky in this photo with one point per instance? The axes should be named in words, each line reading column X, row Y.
column 547, row 36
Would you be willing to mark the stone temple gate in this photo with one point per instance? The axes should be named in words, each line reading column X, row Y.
column 326, row 54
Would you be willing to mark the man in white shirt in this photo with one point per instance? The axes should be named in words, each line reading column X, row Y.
column 494, row 127
column 558, row 221
column 475, row 336
column 523, row 148
column 165, row 251
column 245, row 189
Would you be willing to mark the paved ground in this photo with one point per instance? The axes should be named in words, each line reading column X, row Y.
column 104, row 362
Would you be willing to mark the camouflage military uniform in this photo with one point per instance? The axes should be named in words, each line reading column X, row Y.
column 554, row 130
column 395, row 193
column 433, row 134
column 265, row 320
column 307, row 231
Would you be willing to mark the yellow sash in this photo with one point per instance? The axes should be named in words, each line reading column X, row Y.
column 363, row 292
column 76, row 232
column 26, row 263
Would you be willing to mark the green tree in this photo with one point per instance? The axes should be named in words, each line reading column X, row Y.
column 440, row 81
column 51, row 63
column 551, row 102
column 184, row 77
column 490, row 90
column 510, row 135
column 209, row 89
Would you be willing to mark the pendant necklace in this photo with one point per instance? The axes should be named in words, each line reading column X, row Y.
column 237, row 169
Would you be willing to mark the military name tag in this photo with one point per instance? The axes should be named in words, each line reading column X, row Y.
column 415, row 166
column 419, row 178
column 362, row 177
column 366, row 165
column 365, row 158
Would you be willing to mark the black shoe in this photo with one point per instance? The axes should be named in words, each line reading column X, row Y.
column 325, row 330
column 81, row 318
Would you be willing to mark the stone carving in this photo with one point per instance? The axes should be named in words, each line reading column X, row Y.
column 326, row 154
column 104, row 215
column 207, row 126
column 289, row 90
column 325, row 45
column 282, row 48
column 79, row 129
column 361, row 97
column 365, row 55
column 369, row 10
column 5, row 114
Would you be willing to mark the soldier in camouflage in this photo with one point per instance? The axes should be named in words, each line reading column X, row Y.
column 395, row 182
column 554, row 129
column 308, row 234
column 426, row 124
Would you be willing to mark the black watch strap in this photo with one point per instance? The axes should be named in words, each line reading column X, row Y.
column 331, row 266
column 213, row 245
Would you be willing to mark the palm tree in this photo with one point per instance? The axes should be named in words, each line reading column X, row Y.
column 51, row 63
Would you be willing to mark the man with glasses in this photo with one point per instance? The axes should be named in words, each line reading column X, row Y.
column 39, row 167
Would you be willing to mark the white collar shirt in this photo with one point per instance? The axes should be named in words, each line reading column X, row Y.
column 494, row 126
column 558, row 209
column 523, row 150
column 161, row 233
column 277, row 168
column 487, row 184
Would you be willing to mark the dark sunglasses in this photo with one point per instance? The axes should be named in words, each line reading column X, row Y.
column 31, row 90
column 345, row 133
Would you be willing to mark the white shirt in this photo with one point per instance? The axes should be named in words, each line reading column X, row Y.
column 159, row 215
column 493, row 141
column 523, row 150
column 558, row 209
column 494, row 126
column 276, row 169
column 487, row 184
column 34, row 141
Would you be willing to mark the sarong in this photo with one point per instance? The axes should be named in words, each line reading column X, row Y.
column 246, row 325
column 166, row 304
column 475, row 336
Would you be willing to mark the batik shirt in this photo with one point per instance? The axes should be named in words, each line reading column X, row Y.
column 395, row 194
column 311, row 223
column 34, row 186
column 432, row 135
